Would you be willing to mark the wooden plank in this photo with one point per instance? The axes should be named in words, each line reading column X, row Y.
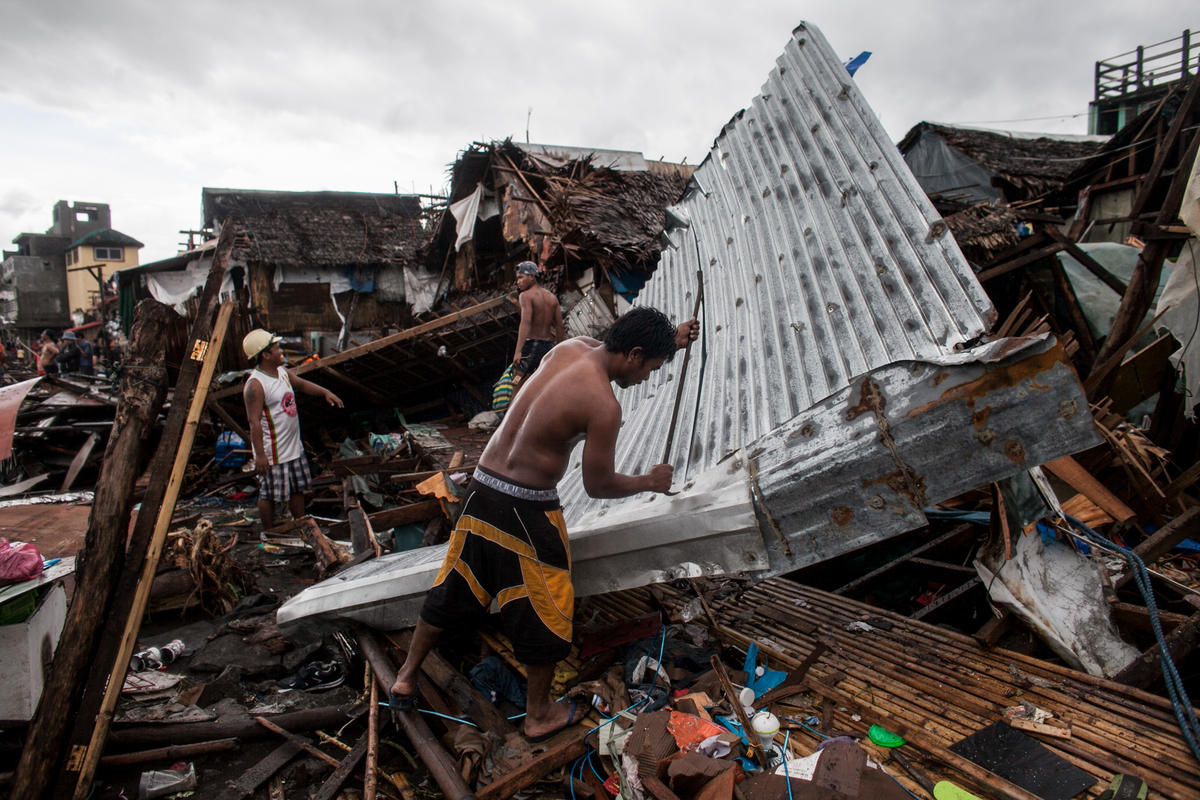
column 77, row 463
column 1183, row 482
column 257, row 775
column 510, row 779
column 1072, row 472
column 299, row 741
column 1040, row 727
column 1140, row 376
column 216, row 408
column 333, row 784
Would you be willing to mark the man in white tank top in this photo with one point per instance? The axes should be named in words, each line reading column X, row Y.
column 279, row 460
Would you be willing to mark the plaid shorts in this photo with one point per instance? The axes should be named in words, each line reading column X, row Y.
column 281, row 481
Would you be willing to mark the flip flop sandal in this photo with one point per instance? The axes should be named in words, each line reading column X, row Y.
column 400, row 703
column 571, row 720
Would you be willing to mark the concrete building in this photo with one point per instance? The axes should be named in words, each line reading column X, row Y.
column 53, row 274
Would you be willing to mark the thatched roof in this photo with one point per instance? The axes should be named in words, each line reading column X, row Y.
column 610, row 216
column 1030, row 164
column 321, row 228
column 982, row 231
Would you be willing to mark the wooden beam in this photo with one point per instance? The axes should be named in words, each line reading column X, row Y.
column 258, row 774
column 1072, row 472
column 372, row 395
column 946, row 598
column 1090, row 264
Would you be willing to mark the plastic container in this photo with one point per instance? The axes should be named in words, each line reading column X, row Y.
column 224, row 452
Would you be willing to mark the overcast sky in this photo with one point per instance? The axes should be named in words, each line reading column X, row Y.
column 141, row 103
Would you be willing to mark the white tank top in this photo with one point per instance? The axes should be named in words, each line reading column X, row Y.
column 280, row 421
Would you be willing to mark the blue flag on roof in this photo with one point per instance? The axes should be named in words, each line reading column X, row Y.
column 853, row 64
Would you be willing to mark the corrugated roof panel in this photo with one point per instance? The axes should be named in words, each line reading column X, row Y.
column 822, row 260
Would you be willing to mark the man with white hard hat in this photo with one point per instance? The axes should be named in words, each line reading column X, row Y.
column 279, row 460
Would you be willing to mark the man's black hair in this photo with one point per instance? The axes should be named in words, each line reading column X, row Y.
column 644, row 327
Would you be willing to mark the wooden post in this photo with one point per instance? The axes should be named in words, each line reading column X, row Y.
column 207, row 353
column 142, row 391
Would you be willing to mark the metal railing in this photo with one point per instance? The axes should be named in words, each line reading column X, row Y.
column 1148, row 66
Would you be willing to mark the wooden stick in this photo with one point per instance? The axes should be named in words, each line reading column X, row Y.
column 687, row 353
column 369, row 779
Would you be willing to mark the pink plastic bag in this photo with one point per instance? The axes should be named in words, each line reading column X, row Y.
column 19, row 561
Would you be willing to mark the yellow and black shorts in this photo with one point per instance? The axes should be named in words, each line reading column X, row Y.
column 510, row 546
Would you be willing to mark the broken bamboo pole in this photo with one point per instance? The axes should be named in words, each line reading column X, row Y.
column 369, row 779
column 175, row 752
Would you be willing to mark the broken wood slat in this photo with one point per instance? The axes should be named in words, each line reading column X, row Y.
column 80, row 459
column 299, row 741
column 143, row 389
column 1040, row 727
column 1183, row 482
column 1141, row 375
column 1016, row 263
column 369, row 779
column 204, row 353
column 175, row 752
column 794, row 682
column 1139, row 616
column 1089, row 263
column 1147, row 668
column 951, row 535
column 943, row 565
column 261, row 772
column 1079, row 322
column 1082, row 481
column 333, row 784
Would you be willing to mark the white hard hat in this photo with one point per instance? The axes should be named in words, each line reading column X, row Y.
column 257, row 341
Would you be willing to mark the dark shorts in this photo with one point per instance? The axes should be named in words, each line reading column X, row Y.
column 510, row 546
column 532, row 353
column 281, row 481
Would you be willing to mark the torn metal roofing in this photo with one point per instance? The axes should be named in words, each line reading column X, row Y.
column 838, row 386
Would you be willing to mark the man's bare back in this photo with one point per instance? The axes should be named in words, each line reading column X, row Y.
column 545, row 315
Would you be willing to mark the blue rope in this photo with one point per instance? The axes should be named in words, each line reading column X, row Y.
column 786, row 775
column 436, row 714
column 1185, row 715
column 806, row 727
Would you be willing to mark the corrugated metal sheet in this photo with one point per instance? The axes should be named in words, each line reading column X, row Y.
column 822, row 258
